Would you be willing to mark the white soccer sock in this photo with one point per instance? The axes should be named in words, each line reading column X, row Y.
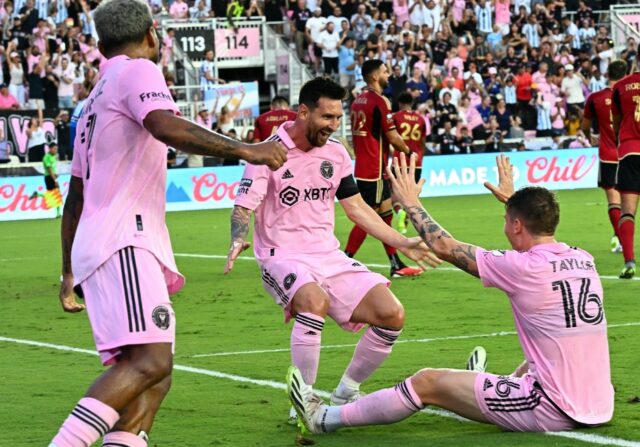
column 332, row 420
column 347, row 386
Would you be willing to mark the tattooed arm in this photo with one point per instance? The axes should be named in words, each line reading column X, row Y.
column 240, row 219
column 186, row 136
column 72, row 211
column 444, row 246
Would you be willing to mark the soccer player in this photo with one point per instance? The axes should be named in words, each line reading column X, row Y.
column 50, row 175
column 114, row 220
column 302, row 266
column 625, row 109
column 373, row 131
column 268, row 122
column 413, row 130
column 556, row 297
column 597, row 113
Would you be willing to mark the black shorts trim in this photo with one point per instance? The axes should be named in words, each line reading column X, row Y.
column 374, row 192
column 607, row 175
column 628, row 174
column 49, row 182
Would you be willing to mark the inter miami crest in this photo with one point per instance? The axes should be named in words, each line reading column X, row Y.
column 161, row 317
column 289, row 280
column 326, row 169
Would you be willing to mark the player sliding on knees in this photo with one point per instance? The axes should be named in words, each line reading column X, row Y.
column 556, row 297
column 299, row 256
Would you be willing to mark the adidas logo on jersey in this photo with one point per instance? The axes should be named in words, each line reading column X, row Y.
column 287, row 174
column 487, row 384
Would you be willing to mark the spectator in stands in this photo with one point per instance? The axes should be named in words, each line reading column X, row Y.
column 7, row 100
column 50, row 84
column 63, row 135
column 179, row 9
column 571, row 88
column 36, row 138
column 64, row 71
column 347, row 62
column 229, row 112
column 329, row 42
column 299, row 16
column 313, row 29
column 543, row 122
column 465, row 141
column 417, row 86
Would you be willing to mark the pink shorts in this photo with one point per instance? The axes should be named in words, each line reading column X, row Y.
column 518, row 404
column 128, row 303
column 345, row 280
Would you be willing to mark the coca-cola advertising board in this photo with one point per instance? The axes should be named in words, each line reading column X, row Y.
column 446, row 175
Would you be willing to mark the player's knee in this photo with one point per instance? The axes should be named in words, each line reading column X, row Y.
column 311, row 300
column 425, row 384
column 392, row 316
column 152, row 367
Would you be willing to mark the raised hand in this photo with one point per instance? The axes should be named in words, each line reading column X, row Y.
column 418, row 251
column 505, row 188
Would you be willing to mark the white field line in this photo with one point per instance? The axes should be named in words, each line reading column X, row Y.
column 578, row 436
column 373, row 266
column 409, row 340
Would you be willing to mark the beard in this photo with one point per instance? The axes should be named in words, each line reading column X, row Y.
column 318, row 138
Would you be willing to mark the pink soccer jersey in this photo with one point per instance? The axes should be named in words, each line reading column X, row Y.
column 556, row 297
column 123, row 169
column 294, row 206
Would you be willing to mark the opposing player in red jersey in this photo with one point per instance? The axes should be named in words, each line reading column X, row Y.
column 268, row 122
column 413, row 130
column 597, row 114
column 625, row 108
column 373, row 130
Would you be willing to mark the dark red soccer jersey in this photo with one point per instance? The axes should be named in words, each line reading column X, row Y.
column 413, row 130
column 371, row 118
column 626, row 104
column 598, row 109
column 267, row 123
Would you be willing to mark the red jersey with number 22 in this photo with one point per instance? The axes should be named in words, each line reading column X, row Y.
column 626, row 103
column 413, row 130
column 371, row 118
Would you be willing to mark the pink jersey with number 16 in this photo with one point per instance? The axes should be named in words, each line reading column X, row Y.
column 556, row 298
column 123, row 169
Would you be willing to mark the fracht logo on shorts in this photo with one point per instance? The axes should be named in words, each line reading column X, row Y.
column 155, row 96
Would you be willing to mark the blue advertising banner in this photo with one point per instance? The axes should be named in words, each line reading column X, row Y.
column 446, row 175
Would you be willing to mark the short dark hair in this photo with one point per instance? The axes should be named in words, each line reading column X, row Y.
column 405, row 98
column 538, row 209
column 617, row 70
column 122, row 22
column 368, row 67
column 320, row 87
column 279, row 101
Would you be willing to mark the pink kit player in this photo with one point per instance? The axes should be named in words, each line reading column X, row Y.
column 116, row 246
column 302, row 266
column 556, row 298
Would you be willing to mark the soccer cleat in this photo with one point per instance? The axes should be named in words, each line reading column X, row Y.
column 309, row 406
column 340, row 400
column 293, row 417
column 401, row 222
column 628, row 271
column 616, row 247
column 405, row 271
column 477, row 360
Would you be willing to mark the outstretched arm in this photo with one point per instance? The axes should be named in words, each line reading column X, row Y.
column 447, row 248
column 70, row 218
column 187, row 136
column 240, row 220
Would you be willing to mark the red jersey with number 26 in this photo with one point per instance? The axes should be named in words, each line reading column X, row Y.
column 413, row 130
column 626, row 103
column 371, row 118
column 267, row 123
column 598, row 109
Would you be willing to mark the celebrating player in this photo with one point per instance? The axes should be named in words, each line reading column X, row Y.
column 267, row 123
column 625, row 109
column 597, row 113
column 373, row 130
column 114, row 220
column 413, row 130
column 556, row 297
column 299, row 257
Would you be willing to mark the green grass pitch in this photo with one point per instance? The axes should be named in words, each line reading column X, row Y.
column 211, row 405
